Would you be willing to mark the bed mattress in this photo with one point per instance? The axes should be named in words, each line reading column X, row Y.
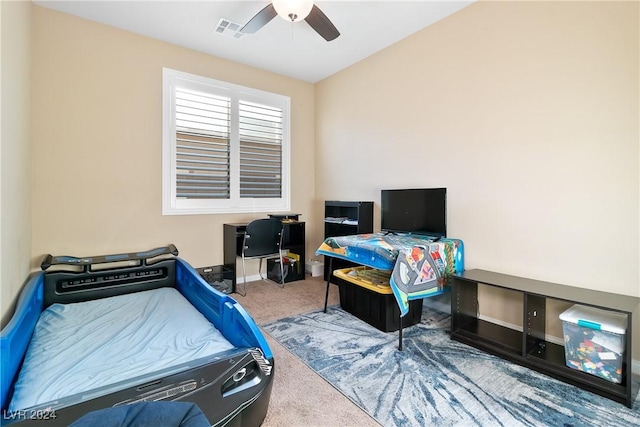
column 82, row 346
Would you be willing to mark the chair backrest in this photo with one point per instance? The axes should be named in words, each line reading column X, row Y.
column 262, row 237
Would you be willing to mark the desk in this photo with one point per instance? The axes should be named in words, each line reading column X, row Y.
column 292, row 241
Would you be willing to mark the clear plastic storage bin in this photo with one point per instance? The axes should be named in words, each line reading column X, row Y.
column 594, row 341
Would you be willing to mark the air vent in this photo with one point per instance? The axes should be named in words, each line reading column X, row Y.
column 229, row 28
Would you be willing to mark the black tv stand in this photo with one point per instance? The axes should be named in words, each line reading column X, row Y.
column 529, row 347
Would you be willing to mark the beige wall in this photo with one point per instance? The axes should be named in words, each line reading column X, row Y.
column 527, row 112
column 97, row 141
column 15, row 152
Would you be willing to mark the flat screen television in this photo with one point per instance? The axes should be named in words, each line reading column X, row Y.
column 417, row 211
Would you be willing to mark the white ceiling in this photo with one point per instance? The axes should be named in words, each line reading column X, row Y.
column 291, row 49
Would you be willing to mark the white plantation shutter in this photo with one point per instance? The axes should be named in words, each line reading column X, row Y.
column 225, row 147
column 202, row 145
column 260, row 150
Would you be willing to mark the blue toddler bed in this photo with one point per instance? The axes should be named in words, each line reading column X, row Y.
column 94, row 335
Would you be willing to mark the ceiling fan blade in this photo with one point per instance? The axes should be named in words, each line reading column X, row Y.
column 260, row 20
column 323, row 26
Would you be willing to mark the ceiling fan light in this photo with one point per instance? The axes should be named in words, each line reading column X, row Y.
column 293, row 10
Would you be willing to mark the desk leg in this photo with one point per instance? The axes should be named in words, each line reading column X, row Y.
column 230, row 252
column 326, row 295
column 400, row 335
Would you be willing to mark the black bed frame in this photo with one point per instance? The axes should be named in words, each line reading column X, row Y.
column 232, row 388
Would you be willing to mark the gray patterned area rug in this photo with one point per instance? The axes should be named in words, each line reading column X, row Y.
column 436, row 381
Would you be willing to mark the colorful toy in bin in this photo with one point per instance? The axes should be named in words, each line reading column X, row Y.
column 594, row 341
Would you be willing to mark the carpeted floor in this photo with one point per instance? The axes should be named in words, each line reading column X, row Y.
column 300, row 397
column 436, row 381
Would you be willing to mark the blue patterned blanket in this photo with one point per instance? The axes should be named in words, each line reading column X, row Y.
column 421, row 264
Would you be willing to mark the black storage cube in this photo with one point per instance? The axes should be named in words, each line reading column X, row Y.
column 218, row 277
column 274, row 273
column 293, row 270
column 377, row 309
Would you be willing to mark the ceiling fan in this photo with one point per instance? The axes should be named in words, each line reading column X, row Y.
column 292, row 11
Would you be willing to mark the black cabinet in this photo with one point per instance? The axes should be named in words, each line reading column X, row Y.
column 529, row 347
column 343, row 218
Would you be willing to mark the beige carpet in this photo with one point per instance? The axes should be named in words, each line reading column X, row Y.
column 299, row 396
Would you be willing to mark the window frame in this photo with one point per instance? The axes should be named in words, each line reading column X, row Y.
column 171, row 205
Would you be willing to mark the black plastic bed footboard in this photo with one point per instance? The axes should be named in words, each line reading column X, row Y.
column 231, row 389
column 87, row 278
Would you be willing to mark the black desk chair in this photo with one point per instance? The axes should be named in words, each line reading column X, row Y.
column 263, row 240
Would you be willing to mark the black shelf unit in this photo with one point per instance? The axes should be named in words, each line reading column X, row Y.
column 529, row 348
column 344, row 218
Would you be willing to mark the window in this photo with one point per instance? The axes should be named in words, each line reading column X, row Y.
column 225, row 147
